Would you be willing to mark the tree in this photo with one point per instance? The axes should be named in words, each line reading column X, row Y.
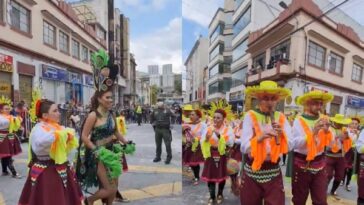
column 153, row 94
column 178, row 87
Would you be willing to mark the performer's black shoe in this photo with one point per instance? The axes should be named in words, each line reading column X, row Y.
column 156, row 159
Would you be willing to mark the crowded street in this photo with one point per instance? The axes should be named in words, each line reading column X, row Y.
column 145, row 181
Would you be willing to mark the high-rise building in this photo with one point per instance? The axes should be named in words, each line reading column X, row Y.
column 220, row 52
column 154, row 76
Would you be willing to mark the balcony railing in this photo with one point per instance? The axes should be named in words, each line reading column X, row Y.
column 281, row 67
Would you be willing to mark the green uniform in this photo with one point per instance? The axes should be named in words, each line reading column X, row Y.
column 161, row 123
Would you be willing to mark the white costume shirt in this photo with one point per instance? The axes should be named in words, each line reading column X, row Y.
column 248, row 132
column 230, row 134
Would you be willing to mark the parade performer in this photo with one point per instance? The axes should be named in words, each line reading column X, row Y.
column 360, row 167
column 121, row 126
column 235, row 156
column 335, row 152
column 50, row 179
column 9, row 141
column 101, row 165
column 353, row 131
column 310, row 134
column 215, row 142
column 266, row 135
column 192, row 154
column 186, row 113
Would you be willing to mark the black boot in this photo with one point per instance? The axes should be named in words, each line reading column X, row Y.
column 335, row 185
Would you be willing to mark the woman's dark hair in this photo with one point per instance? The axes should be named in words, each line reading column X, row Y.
column 222, row 112
column 1, row 106
column 44, row 107
column 95, row 102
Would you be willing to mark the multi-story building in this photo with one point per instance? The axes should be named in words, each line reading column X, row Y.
column 154, row 76
column 96, row 13
column 44, row 44
column 143, row 90
column 196, row 63
column 130, row 94
column 220, row 52
column 167, row 78
column 303, row 51
column 247, row 17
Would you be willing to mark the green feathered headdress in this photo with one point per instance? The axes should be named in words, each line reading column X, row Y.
column 104, row 74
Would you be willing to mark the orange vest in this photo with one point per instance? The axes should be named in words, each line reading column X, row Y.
column 258, row 151
column 312, row 147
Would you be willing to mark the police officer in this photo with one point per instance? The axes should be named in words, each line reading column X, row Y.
column 138, row 112
column 160, row 120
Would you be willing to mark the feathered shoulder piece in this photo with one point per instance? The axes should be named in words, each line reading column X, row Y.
column 5, row 101
column 35, row 105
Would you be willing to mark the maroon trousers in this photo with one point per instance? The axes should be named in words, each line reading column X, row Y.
column 253, row 192
column 305, row 181
column 335, row 167
column 360, row 177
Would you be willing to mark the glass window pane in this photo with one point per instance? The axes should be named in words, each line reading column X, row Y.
column 242, row 22
column 239, row 51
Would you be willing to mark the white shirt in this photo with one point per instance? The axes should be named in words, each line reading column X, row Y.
column 4, row 123
column 360, row 142
column 230, row 134
column 248, row 132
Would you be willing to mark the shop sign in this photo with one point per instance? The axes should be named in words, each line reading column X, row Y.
column 74, row 77
column 5, row 88
column 89, row 80
column 355, row 102
column 53, row 73
column 6, row 63
column 235, row 96
column 322, row 90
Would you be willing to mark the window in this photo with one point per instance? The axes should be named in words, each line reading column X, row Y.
column 239, row 51
column 2, row 11
column 259, row 61
column 63, row 42
column 214, row 88
column 84, row 54
column 357, row 73
column 334, row 109
column 75, row 49
column 238, row 77
column 49, row 34
column 214, row 70
column 237, row 3
column 336, row 63
column 316, row 55
column 118, row 34
column 20, row 17
column 215, row 34
column 226, row 85
column 242, row 22
column 281, row 51
column 215, row 52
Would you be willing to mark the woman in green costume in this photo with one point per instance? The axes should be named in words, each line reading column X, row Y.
column 101, row 166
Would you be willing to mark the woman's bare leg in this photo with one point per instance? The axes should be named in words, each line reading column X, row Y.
column 108, row 189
